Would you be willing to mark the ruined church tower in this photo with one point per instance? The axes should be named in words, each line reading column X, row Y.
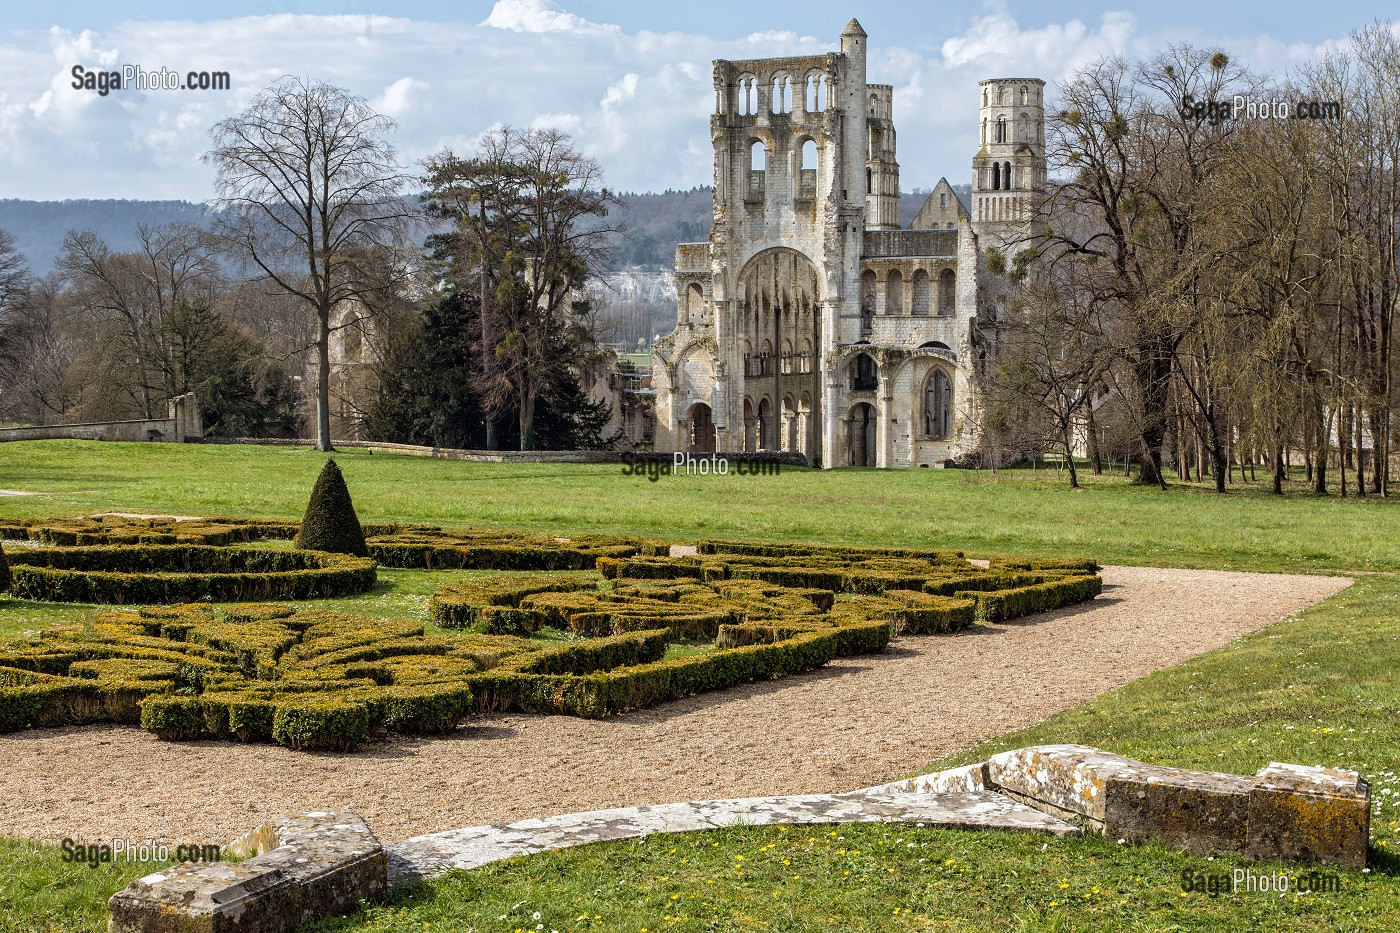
column 811, row 322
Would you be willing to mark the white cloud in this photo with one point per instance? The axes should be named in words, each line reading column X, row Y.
column 540, row 16
column 400, row 98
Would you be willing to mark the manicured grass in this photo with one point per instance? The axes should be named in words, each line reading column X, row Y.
column 1318, row 688
column 42, row 893
column 863, row 879
column 1109, row 519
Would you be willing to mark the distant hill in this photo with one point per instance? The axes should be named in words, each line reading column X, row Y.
column 39, row 226
column 655, row 223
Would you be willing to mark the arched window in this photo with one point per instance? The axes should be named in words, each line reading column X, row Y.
column 352, row 337
column 984, row 131
column 758, row 157
column 869, row 182
column 894, row 293
column 694, row 299
column 1001, row 94
column 809, row 154
column 920, row 292
column 938, row 406
column 1001, row 129
column 765, row 425
column 996, row 176
column 864, row 376
column 816, row 93
column 984, row 97
column 782, row 94
column 946, row 292
column 1006, row 175
column 1023, row 129
column 748, row 96
column 1023, row 94
column 867, row 301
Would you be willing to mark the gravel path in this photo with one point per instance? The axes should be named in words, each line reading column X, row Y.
column 857, row 722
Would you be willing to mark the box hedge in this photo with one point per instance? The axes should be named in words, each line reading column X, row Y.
column 183, row 573
column 1000, row 605
column 313, row 679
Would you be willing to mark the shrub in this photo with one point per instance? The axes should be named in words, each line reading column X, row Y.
column 173, row 717
column 1001, row 605
column 330, row 523
column 4, row 572
column 321, row 724
column 313, row 679
column 181, row 573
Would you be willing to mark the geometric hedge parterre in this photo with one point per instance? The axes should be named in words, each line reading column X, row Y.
column 313, row 679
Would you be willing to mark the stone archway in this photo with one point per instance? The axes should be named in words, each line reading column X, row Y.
column 702, row 429
column 860, row 428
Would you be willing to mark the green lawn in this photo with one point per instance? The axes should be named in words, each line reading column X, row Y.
column 1319, row 688
column 1010, row 512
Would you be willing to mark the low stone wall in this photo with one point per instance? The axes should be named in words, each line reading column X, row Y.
column 322, row 864
column 183, row 423
column 302, row 869
column 1290, row 812
column 515, row 456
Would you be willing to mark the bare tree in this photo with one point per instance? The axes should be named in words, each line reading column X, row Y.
column 140, row 300
column 14, row 280
column 309, row 189
column 1052, row 360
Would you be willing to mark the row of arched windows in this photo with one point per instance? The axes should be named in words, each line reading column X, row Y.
column 920, row 292
column 780, row 98
column 1025, row 92
column 1023, row 131
column 758, row 155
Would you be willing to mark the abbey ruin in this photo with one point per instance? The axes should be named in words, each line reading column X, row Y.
column 810, row 322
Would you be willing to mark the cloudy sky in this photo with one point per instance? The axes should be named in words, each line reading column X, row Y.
column 629, row 80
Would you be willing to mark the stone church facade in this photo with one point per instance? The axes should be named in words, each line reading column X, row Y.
column 810, row 321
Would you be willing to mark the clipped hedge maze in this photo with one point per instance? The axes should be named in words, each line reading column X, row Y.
column 174, row 573
column 306, row 679
column 427, row 548
column 311, row 679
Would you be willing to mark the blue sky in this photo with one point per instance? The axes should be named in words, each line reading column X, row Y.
column 630, row 81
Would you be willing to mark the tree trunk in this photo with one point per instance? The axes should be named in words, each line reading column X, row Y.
column 1091, row 431
column 1323, row 428
column 1153, row 367
column 488, row 348
column 527, row 417
column 1066, row 439
column 1360, row 454
column 1217, row 448
column 323, row 381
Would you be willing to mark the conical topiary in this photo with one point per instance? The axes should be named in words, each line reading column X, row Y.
column 4, row 572
column 330, row 523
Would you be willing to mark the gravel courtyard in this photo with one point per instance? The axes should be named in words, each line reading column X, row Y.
column 857, row 722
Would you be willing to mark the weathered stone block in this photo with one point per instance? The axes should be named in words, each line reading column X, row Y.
column 1197, row 812
column 306, row 867
column 1310, row 815
column 1285, row 811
